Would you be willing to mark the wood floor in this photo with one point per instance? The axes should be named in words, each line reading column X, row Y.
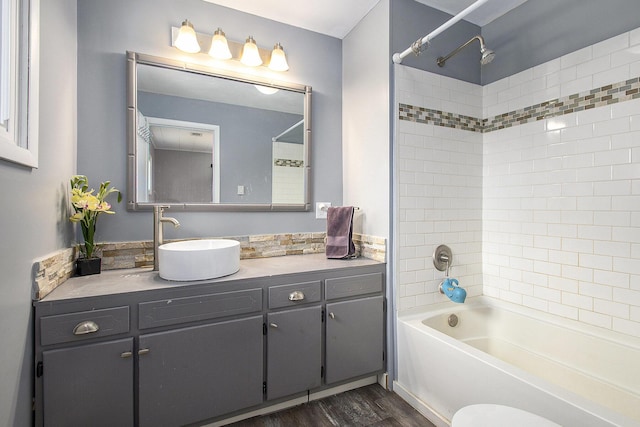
column 367, row 406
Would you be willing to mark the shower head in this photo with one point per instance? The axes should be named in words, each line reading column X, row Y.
column 487, row 54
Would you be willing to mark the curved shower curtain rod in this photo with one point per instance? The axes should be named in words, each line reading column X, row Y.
column 416, row 47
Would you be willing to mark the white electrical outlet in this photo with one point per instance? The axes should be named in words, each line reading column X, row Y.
column 321, row 209
column 240, row 190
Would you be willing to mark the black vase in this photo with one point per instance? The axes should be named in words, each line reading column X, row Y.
column 87, row 266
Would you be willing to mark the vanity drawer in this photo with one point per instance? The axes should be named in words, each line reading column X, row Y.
column 342, row 287
column 294, row 294
column 83, row 325
column 202, row 307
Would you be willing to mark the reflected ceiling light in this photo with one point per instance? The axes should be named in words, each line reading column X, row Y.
column 219, row 46
column 187, row 40
column 250, row 53
column 266, row 90
column 278, row 59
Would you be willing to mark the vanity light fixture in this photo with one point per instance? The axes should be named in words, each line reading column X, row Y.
column 219, row 46
column 187, row 40
column 278, row 59
column 250, row 53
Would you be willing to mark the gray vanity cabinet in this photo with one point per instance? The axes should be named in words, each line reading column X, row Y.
column 89, row 385
column 355, row 327
column 195, row 373
column 294, row 338
column 294, row 352
column 154, row 353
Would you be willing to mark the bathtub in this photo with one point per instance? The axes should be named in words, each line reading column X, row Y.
column 568, row 372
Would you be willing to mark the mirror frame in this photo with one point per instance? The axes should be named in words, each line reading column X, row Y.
column 133, row 59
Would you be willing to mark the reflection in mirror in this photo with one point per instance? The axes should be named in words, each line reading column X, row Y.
column 208, row 141
column 178, row 162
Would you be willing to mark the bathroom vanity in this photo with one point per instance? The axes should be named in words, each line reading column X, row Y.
column 127, row 348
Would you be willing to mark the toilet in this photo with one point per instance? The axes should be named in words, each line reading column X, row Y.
column 490, row 415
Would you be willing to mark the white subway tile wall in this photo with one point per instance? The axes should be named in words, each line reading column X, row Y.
column 559, row 210
column 439, row 187
column 287, row 173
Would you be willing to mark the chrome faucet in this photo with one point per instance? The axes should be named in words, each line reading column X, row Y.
column 158, row 238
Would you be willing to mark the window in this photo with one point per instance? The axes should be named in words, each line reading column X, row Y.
column 19, row 81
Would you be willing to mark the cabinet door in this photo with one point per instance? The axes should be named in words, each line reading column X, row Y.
column 89, row 385
column 355, row 338
column 294, row 353
column 192, row 374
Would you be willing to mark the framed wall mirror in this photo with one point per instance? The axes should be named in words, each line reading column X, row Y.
column 203, row 139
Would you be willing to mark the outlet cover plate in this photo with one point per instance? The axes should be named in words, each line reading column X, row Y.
column 321, row 209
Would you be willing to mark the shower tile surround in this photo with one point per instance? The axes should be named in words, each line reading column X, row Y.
column 53, row 270
column 606, row 95
column 540, row 199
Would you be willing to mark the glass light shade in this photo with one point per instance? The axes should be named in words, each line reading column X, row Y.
column 187, row 40
column 278, row 59
column 219, row 46
column 266, row 90
column 250, row 53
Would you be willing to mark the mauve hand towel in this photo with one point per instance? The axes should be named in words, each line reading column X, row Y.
column 340, row 232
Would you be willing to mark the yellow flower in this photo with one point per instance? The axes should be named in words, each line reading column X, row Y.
column 76, row 217
column 88, row 206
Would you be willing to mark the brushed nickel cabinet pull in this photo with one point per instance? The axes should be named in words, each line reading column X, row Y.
column 296, row 296
column 143, row 351
column 126, row 354
column 87, row 327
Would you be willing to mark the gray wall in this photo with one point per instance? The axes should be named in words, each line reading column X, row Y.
column 34, row 214
column 245, row 150
column 106, row 29
column 531, row 34
column 541, row 30
column 411, row 21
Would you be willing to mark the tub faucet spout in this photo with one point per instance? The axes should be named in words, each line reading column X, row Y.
column 158, row 238
column 450, row 288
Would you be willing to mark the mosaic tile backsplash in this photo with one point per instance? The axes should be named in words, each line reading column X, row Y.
column 605, row 95
column 52, row 270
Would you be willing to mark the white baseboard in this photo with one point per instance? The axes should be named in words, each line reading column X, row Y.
column 433, row 416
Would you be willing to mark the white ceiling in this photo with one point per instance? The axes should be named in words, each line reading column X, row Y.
column 337, row 17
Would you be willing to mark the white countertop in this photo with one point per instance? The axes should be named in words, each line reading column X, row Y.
column 143, row 279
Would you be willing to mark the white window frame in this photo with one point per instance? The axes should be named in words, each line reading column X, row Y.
column 19, row 75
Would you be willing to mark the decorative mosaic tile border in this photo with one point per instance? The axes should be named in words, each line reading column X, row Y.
column 605, row 95
column 439, row 118
column 53, row 270
column 289, row 163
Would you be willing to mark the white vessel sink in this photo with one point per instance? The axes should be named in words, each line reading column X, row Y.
column 198, row 259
